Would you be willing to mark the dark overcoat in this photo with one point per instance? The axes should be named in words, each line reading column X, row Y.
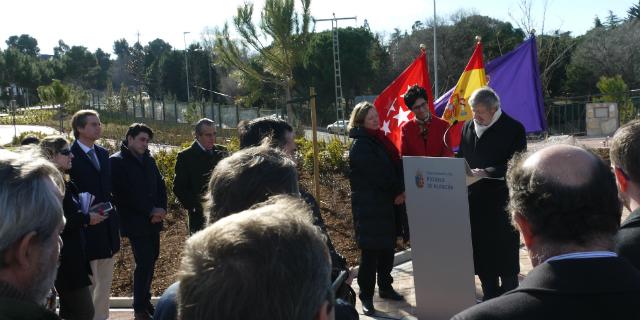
column 74, row 269
column 596, row 288
column 495, row 241
column 192, row 172
column 138, row 187
column 103, row 239
column 375, row 182
column 628, row 239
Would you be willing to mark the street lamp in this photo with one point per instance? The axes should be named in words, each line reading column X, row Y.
column 186, row 62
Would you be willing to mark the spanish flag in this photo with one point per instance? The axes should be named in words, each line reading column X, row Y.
column 458, row 108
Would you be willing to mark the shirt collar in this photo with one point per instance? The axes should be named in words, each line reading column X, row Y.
column 201, row 147
column 83, row 147
column 583, row 255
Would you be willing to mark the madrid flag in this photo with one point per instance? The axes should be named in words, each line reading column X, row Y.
column 458, row 108
column 392, row 111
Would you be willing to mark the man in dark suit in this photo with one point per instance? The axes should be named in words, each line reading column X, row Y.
column 91, row 172
column 141, row 197
column 193, row 169
column 625, row 160
column 488, row 142
column 565, row 202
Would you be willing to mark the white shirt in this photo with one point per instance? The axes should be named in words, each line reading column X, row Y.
column 86, row 150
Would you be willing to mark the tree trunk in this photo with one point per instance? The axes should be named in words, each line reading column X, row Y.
column 291, row 117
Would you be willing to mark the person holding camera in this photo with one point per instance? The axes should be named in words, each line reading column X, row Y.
column 140, row 194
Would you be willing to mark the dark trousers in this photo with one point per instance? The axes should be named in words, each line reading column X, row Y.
column 196, row 221
column 75, row 304
column 372, row 262
column 495, row 285
column 146, row 250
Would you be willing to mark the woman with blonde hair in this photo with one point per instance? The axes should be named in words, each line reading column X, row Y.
column 72, row 281
column 376, row 185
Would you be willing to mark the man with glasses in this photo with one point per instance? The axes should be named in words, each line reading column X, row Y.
column 488, row 143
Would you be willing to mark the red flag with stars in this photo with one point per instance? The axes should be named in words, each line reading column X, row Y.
column 390, row 105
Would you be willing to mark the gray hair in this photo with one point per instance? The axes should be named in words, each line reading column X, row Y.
column 203, row 122
column 268, row 260
column 27, row 201
column 486, row 97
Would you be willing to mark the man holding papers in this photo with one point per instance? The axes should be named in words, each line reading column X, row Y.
column 488, row 143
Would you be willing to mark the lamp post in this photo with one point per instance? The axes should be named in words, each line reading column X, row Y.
column 186, row 61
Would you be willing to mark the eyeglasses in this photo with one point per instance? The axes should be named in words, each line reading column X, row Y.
column 419, row 106
column 65, row 152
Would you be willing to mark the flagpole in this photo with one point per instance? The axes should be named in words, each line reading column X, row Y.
column 435, row 53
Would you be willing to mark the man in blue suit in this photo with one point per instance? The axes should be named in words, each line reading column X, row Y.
column 91, row 172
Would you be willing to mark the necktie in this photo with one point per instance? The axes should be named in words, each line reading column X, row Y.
column 92, row 156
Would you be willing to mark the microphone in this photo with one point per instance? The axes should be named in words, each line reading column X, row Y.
column 446, row 132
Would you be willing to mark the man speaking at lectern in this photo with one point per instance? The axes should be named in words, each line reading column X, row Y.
column 488, row 143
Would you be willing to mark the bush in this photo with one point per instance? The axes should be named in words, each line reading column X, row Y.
column 332, row 156
column 166, row 161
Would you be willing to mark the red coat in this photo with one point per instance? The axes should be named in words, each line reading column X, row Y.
column 413, row 144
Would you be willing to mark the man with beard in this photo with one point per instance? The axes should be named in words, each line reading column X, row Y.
column 31, row 220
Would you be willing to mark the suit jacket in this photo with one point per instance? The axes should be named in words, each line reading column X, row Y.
column 103, row 239
column 413, row 144
column 74, row 269
column 138, row 187
column 628, row 239
column 598, row 288
column 495, row 241
column 192, row 172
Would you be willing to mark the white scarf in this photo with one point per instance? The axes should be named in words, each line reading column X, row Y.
column 480, row 129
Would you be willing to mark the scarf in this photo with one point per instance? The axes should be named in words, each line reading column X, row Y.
column 391, row 149
column 480, row 129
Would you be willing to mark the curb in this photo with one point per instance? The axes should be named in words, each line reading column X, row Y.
column 126, row 302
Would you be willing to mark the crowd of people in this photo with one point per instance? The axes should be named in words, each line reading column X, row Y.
column 258, row 246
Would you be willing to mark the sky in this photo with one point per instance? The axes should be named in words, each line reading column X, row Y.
column 98, row 24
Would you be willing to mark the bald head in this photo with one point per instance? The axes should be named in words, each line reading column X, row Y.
column 566, row 193
column 563, row 164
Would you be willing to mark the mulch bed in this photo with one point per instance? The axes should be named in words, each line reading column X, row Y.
column 335, row 205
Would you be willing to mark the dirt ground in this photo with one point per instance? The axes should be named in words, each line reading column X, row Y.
column 335, row 205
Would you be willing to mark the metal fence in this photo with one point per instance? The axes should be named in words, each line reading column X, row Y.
column 171, row 110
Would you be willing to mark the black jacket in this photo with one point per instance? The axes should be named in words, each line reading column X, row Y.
column 599, row 288
column 192, row 172
column 628, row 239
column 138, row 187
column 74, row 269
column 495, row 241
column 375, row 182
column 103, row 239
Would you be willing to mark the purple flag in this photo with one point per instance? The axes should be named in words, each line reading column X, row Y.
column 516, row 78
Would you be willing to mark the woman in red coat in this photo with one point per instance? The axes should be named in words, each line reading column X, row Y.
column 423, row 135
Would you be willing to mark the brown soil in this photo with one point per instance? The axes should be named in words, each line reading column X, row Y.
column 335, row 205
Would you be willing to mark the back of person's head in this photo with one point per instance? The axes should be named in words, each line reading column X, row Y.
column 247, row 177
column 625, row 150
column 52, row 145
column 359, row 114
column 137, row 128
column 567, row 194
column 253, row 132
column 414, row 93
column 31, row 191
column 79, row 120
column 29, row 139
column 268, row 262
